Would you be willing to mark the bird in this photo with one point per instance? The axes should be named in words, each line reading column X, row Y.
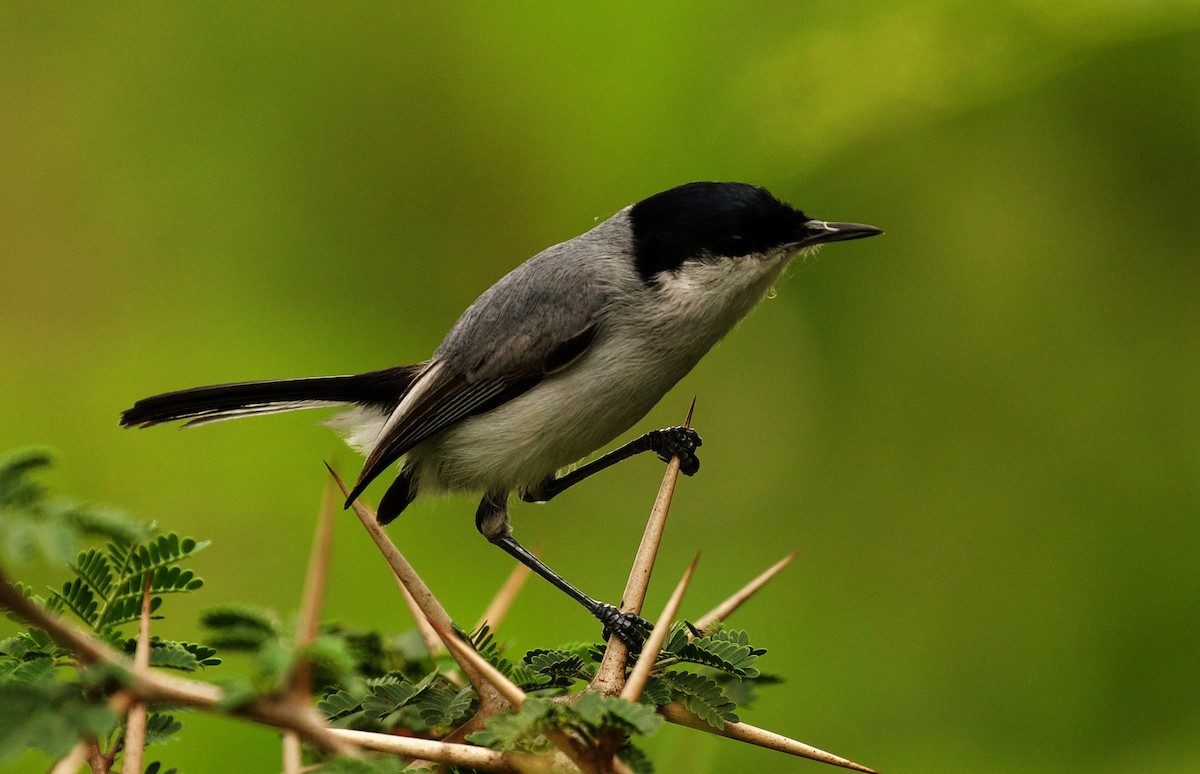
column 551, row 363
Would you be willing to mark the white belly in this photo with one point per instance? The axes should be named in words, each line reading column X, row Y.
column 559, row 422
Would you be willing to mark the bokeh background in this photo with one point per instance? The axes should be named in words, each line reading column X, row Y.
column 981, row 431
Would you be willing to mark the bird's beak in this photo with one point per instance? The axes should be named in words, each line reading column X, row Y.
column 818, row 232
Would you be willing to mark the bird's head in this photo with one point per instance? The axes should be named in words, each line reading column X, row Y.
column 710, row 222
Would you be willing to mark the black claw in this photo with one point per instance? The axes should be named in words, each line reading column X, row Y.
column 680, row 442
column 630, row 628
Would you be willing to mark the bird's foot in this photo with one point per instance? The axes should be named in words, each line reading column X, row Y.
column 630, row 628
column 680, row 442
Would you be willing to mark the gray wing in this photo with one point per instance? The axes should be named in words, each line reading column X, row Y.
column 539, row 318
column 520, row 322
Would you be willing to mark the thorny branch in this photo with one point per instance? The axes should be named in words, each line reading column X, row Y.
column 293, row 712
column 158, row 688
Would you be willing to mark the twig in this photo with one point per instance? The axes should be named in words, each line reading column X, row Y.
column 452, row 754
column 293, row 753
column 135, row 722
column 429, row 636
column 744, row 732
column 641, row 671
column 307, row 621
column 726, row 608
column 489, row 700
column 315, row 581
column 610, row 677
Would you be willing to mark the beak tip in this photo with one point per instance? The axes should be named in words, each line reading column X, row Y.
column 858, row 230
column 821, row 231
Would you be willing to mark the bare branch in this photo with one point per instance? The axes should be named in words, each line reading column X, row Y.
column 643, row 564
column 308, row 620
column 72, row 761
column 456, row 754
column 641, row 672
column 426, row 601
column 293, row 753
column 744, row 732
column 424, row 598
column 135, row 721
column 726, row 608
column 429, row 636
column 141, row 654
column 610, row 677
column 155, row 688
column 315, row 582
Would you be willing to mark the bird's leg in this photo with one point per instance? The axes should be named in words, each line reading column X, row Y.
column 492, row 520
column 669, row 442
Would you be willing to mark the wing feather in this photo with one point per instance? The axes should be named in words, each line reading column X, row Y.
column 450, row 399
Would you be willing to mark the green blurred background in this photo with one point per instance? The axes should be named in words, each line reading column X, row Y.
column 981, row 430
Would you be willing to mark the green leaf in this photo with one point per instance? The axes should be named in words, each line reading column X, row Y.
column 393, row 699
column 240, row 628
column 164, row 550
column 171, row 654
column 35, row 672
column 638, row 718
column 155, row 768
column 440, row 706
column 634, row 758
column 48, row 715
column 726, row 650
column 339, row 704
column 332, row 659
column 78, row 597
column 703, row 696
column 519, row 730
column 559, row 664
column 386, row 699
column 227, row 616
column 17, row 464
column 590, row 707
column 600, row 711
column 31, row 522
column 657, row 692
column 161, row 727
column 486, row 646
column 677, row 638
column 95, row 521
column 30, row 644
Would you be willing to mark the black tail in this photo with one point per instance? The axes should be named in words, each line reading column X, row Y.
column 381, row 389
